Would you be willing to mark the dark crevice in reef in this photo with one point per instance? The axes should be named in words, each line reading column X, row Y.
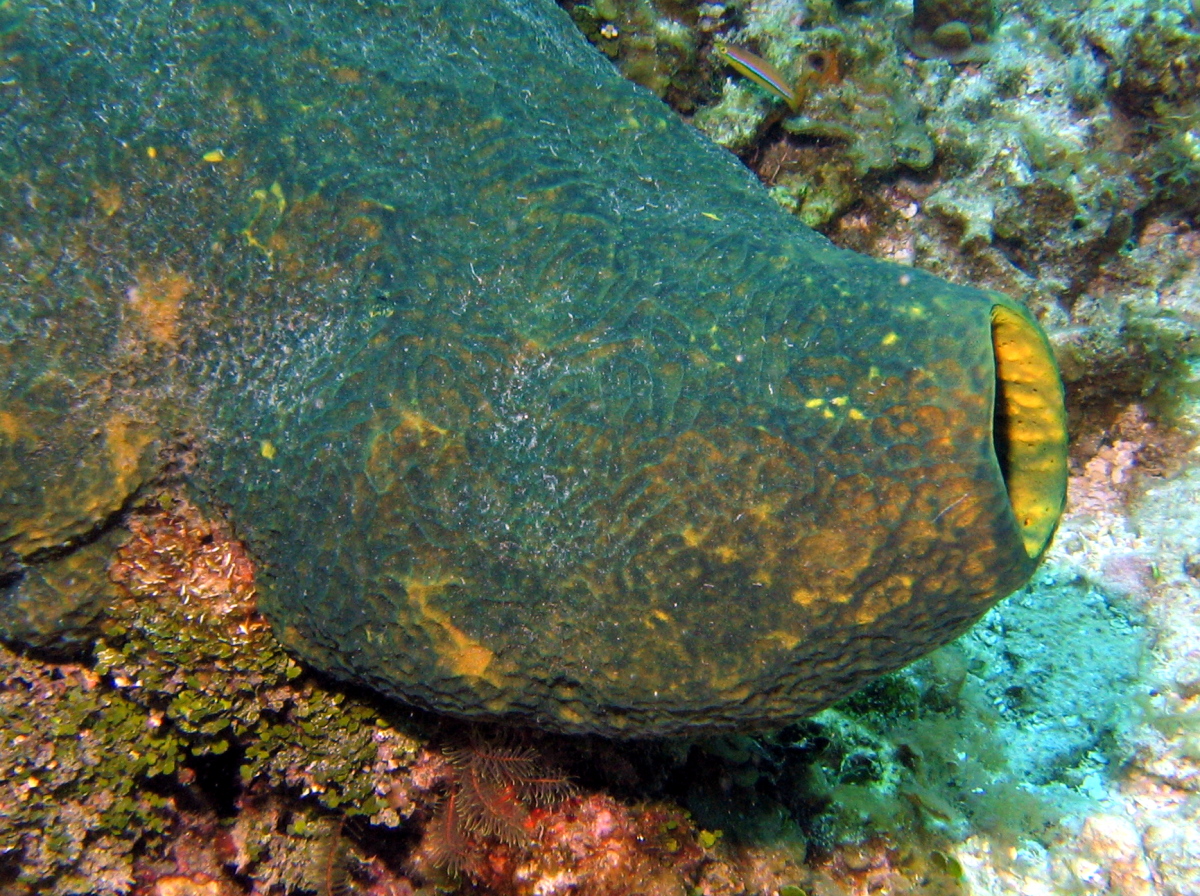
column 217, row 780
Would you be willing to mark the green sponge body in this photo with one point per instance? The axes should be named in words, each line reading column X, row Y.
column 528, row 400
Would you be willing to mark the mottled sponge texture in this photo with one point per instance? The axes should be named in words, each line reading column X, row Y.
column 528, row 401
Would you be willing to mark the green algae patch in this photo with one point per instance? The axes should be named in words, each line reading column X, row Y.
column 189, row 647
column 74, row 778
column 183, row 672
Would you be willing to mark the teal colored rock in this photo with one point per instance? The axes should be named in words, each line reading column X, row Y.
column 529, row 402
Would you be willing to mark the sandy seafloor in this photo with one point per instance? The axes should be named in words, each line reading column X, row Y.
column 1066, row 172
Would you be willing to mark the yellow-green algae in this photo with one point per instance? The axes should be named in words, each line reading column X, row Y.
column 530, row 407
column 96, row 753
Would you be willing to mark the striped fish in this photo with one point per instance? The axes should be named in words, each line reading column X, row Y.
column 759, row 71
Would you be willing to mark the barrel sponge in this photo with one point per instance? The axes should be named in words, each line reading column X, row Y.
column 529, row 402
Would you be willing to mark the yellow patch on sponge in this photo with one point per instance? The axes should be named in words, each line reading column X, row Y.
column 126, row 440
column 157, row 297
column 11, row 426
column 457, row 651
column 109, row 198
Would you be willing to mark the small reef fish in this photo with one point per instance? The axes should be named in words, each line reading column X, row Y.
column 760, row 72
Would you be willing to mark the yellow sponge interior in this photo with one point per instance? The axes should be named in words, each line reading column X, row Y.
column 1029, row 425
